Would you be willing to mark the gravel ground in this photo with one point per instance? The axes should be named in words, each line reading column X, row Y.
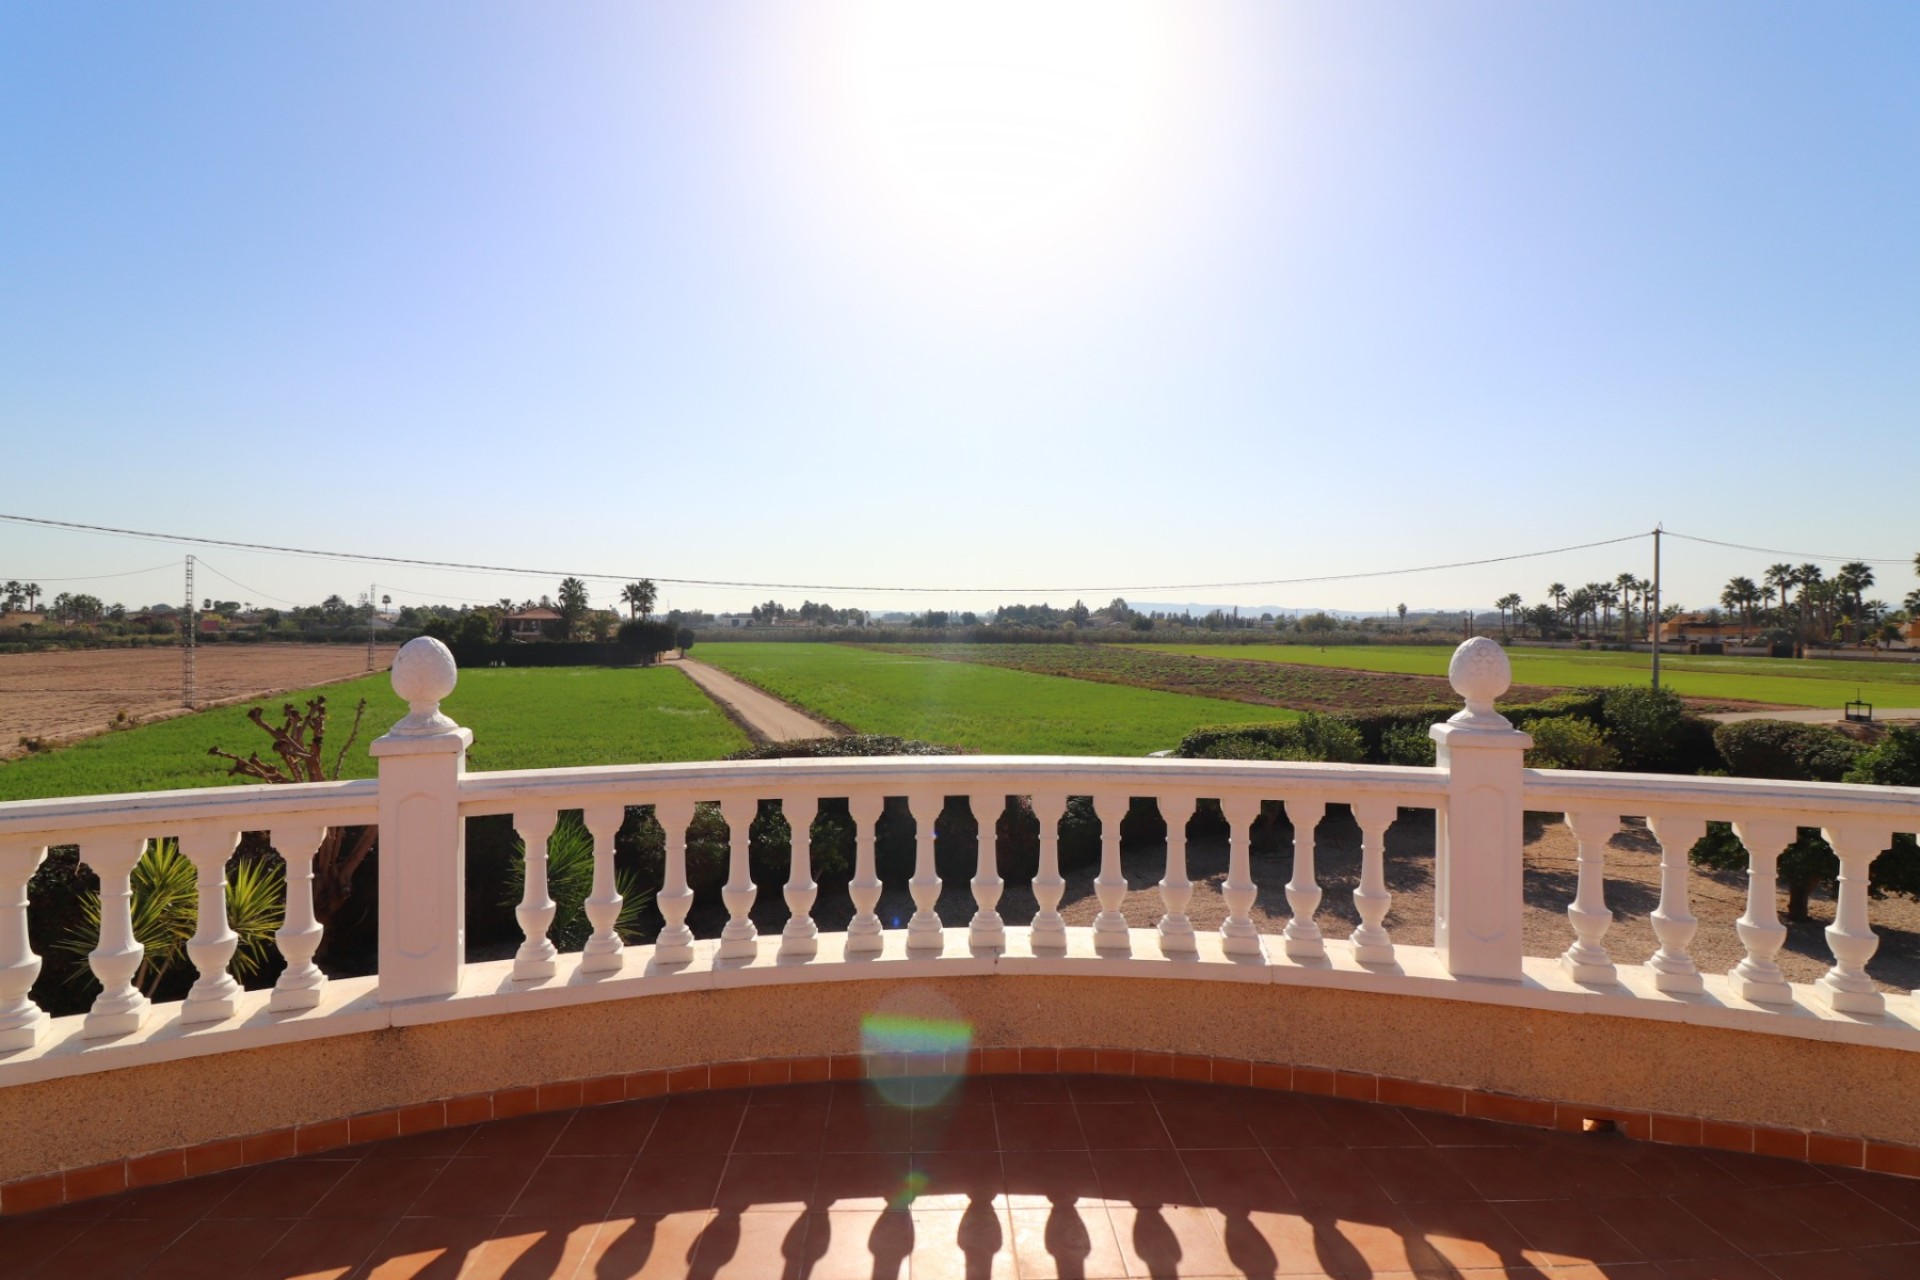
column 1633, row 890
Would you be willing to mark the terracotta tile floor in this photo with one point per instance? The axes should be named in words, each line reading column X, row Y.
column 1014, row 1176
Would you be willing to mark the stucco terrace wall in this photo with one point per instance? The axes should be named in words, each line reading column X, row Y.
column 1728, row 1076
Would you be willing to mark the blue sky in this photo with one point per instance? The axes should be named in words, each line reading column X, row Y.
column 992, row 296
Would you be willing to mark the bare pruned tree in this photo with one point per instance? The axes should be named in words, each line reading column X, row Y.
column 299, row 741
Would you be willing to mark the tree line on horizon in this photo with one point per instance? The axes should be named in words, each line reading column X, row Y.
column 1799, row 604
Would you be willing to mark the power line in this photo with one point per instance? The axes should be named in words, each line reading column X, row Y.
column 96, row 577
column 1775, row 551
column 264, row 595
column 803, row 586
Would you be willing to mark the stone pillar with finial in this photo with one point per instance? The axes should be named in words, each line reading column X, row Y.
column 423, row 846
column 1479, row 900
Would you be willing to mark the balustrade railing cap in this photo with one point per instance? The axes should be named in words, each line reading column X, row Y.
column 1480, row 673
column 423, row 673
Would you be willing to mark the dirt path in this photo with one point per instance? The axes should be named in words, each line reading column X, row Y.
column 1817, row 715
column 764, row 716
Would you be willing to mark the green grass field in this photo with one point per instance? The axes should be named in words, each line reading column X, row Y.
column 526, row 718
column 988, row 709
column 1810, row 683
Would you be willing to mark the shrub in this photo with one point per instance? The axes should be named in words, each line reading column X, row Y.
column 1895, row 762
column 1653, row 733
column 1311, row 737
column 647, row 635
column 1813, row 753
column 1787, row 750
column 1408, row 744
column 1568, row 742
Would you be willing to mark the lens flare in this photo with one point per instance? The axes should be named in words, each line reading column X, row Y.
column 910, row 1058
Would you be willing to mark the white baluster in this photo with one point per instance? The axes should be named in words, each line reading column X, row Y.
column 1110, row 887
column 1587, row 959
column 605, row 951
column 1049, row 931
column 21, row 1020
column 1758, row 977
column 801, row 937
column 1239, row 937
column 987, row 931
column 534, row 961
column 1176, row 890
column 1303, row 887
column 298, row 937
column 1846, row 986
column 1371, row 942
column 215, row 995
column 739, row 937
column 1673, row 922
column 675, row 943
column 120, row 1007
column 923, row 929
column 864, row 931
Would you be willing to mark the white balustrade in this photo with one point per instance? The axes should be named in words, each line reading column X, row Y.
column 534, row 961
column 1478, row 791
column 864, row 931
column 301, row 983
column 1673, row 921
column 801, row 937
column 1176, row 890
column 1587, row 959
column 1049, row 929
column 1371, row 942
column 21, row 1020
column 1238, row 935
column 1110, row 933
column 215, row 996
column 675, row 943
column 1303, row 938
column 603, row 952
column 1846, row 986
column 923, row 929
column 986, row 931
column 121, row 1006
column 739, row 938
column 1758, row 977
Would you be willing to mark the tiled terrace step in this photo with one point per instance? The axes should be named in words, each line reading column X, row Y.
column 1031, row 1176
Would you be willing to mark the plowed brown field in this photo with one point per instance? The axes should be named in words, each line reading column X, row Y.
column 58, row 696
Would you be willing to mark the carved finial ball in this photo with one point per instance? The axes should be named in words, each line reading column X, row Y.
column 424, row 672
column 1480, row 672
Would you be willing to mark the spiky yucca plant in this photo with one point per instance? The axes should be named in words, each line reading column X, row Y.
column 166, row 909
column 570, row 884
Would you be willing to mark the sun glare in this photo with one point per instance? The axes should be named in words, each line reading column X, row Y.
column 997, row 119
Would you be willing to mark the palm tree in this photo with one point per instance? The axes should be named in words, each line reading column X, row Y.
column 1626, row 584
column 639, row 597
column 1779, row 577
column 573, row 604
column 11, row 594
column 1807, row 577
column 1605, row 597
column 1853, row 579
column 32, row 592
column 1579, row 605
column 1740, row 596
column 1507, row 604
column 1558, row 591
